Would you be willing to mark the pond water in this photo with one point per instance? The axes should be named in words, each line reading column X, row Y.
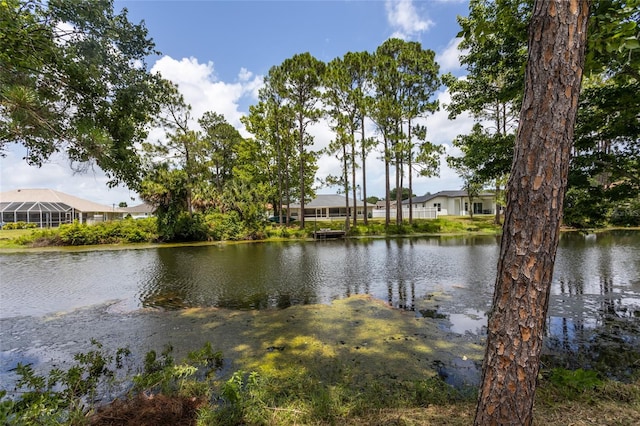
column 595, row 300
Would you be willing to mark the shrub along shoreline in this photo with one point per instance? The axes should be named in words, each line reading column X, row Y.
column 216, row 229
column 146, row 231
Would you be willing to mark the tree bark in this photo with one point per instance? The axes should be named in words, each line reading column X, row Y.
column 536, row 188
column 345, row 166
column 301, row 169
column 364, row 173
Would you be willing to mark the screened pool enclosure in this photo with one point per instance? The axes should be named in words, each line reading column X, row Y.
column 43, row 214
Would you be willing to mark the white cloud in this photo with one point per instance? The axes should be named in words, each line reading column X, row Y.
column 449, row 59
column 404, row 18
column 57, row 174
column 201, row 89
column 442, row 131
column 244, row 74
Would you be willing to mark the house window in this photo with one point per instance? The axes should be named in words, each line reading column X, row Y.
column 477, row 208
column 438, row 206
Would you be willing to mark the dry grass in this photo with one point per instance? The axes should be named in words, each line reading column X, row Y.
column 143, row 410
column 161, row 411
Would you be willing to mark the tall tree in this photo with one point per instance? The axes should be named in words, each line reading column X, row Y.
column 385, row 109
column 536, row 188
column 272, row 122
column 302, row 79
column 346, row 82
column 420, row 80
column 494, row 46
column 607, row 145
column 221, row 141
column 182, row 147
column 405, row 79
column 73, row 79
column 360, row 64
column 603, row 178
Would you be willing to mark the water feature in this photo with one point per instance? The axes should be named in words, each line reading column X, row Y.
column 595, row 299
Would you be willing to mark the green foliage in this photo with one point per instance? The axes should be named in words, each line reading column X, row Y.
column 573, row 383
column 225, row 227
column 399, row 229
column 62, row 396
column 19, row 225
column 82, row 88
column 208, row 357
column 604, row 166
column 626, row 214
column 435, row 391
column 373, row 227
column 77, row 234
column 250, row 398
column 162, row 375
column 585, row 208
column 67, row 397
column 248, row 202
column 426, row 226
column 187, row 227
column 405, row 78
column 405, row 194
column 222, row 142
column 242, row 399
column 292, row 231
column 169, row 190
column 190, row 378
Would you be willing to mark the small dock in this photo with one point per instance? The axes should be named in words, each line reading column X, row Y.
column 327, row 234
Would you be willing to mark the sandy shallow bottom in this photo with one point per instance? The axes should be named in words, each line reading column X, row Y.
column 363, row 335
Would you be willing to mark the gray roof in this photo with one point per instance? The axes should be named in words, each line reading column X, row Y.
column 51, row 196
column 328, row 200
column 140, row 208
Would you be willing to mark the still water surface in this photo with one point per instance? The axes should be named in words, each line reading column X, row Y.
column 596, row 280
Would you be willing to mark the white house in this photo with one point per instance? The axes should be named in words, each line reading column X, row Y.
column 454, row 203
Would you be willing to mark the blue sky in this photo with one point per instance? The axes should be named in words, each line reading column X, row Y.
column 218, row 52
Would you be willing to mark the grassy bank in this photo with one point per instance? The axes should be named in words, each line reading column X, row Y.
column 444, row 225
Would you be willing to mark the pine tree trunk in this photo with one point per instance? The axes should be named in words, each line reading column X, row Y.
column 345, row 176
column 364, row 174
column 353, row 177
column 301, row 170
column 535, row 195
